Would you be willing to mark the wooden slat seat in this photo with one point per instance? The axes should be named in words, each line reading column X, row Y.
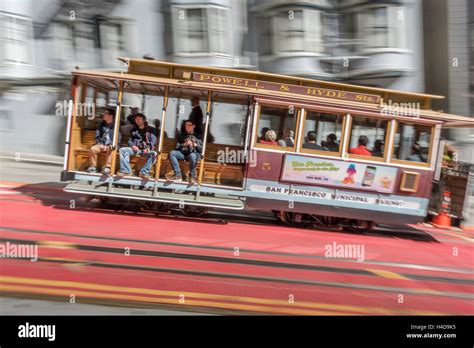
column 214, row 172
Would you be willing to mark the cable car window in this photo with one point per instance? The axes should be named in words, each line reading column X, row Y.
column 412, row 143
column 368, row 137
column 322, row 132
column 228, row 118
column 145, row 99
column 276, row 127
column 185, row 104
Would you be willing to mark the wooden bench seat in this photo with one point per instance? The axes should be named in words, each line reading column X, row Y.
column 214, row 172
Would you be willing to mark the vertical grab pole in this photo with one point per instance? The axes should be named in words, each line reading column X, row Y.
column 206, row 128
column 346, row 140
column 248, row 123
column 160, row 142
column 71, row 119
column 300, row 128
column 248, row 155
column 116, row 131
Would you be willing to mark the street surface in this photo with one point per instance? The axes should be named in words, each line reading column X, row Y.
column 100, row 261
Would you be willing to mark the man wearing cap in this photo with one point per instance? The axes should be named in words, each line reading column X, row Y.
column 104, row 135
column 142, row 141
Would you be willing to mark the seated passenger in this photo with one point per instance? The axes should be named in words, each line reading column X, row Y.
column 264, row 131
column 361, row 150
column 378, row 149
column 416, row 154
column 311, row 142
column 270, row 138
column 103, row 142
column 288, row 138
column 331, row 143
column 188, row 148
column 142, row 140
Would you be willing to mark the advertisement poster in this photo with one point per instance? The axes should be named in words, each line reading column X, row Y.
column 319, row 171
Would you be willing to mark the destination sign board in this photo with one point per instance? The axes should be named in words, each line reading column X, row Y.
column 286, row 88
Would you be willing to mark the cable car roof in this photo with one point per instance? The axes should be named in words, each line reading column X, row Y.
column 145, row 76
column 153, row 67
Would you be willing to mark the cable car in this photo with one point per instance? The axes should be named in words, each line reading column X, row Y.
column 331, row 153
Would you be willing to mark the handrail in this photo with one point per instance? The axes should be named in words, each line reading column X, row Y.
column 116, row 131
column 206, row 128
column 161, row 140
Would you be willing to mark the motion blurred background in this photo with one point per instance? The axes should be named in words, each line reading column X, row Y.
column 412, row 45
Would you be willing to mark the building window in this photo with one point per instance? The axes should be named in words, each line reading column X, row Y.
column 15, row 39
column 322, row 133
column 201, row 30
column 218, row 34
column 377, row 27
column 110, row 36
column 195, row 34
column 74, row 43
column 368, row 138
column 296, row 31
column 111, row 40
column 276, row 127
column 381, row 27
column 412, row 143
column 84, row 36
column 290, row 32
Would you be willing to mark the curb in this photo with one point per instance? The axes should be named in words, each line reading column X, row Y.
column 33, row 158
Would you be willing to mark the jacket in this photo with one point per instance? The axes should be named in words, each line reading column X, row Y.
column 195, row 138
column 148, row 141
column 196, row 116
column 104, row 134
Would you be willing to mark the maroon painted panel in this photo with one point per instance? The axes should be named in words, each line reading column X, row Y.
column 269, row 166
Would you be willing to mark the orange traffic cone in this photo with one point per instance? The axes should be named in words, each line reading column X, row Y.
column 443, row 220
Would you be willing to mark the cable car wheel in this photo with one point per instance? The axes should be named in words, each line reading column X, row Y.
column 292, row 219
column 194, row 210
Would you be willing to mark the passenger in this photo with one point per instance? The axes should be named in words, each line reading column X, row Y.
column 331, row 143
column 378, row 149
column 362, row 148
column 196, row 116
column 158, row 129
column 129, row 122
column 142, row 141
column 449, row 155
column 104, row 135
column 416, row 154
column 262, row 136
column 188, row 148
column 311, row 142
column 288, row 138
column 270, row 138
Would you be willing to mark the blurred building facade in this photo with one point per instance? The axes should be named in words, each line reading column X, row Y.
column 375, row 43
column 449, row 48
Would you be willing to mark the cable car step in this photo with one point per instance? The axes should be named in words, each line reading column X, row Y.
column 189, row 198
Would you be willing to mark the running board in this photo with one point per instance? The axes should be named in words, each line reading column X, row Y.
column 164, row 197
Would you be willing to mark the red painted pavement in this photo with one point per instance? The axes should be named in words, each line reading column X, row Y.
column 45, row 208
